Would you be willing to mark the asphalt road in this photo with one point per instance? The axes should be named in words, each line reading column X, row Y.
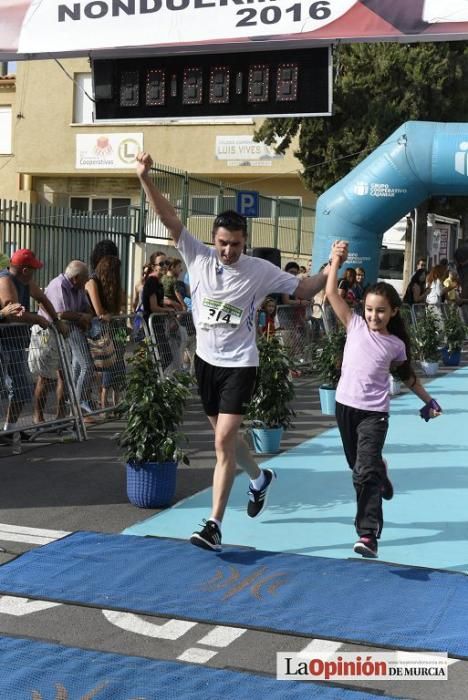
column 55, row 488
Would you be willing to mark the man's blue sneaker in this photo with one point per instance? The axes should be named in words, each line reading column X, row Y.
column 209, row 537
column 258, row 499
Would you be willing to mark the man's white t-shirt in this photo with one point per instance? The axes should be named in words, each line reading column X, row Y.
column 225, row 299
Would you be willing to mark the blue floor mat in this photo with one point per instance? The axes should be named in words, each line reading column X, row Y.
column 361, row 601
column 39, row 670
column 311, row 508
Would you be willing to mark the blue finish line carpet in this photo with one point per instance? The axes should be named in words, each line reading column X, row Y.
column 409, row 608
column 311, row 508
column 30, row 669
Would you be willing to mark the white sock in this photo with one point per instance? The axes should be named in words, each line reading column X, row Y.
column 218, row 522
column 259, row 482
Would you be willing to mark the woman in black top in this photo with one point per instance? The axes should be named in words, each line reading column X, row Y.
column 152, row 298
column 416, row 291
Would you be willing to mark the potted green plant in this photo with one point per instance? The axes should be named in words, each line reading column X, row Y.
column 455, row 334
column 269, row 410
column 327, row 360
column 427, row 340
column 153, row 408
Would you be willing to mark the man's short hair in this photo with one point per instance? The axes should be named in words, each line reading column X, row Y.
column 461, row 254
column 232, row 221
column 290, row 266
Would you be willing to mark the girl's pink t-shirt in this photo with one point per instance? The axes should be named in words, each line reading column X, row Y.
column 365, row 371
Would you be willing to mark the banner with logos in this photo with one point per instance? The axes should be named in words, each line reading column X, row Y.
column 44, row 28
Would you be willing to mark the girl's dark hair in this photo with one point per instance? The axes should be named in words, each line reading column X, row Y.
column 396, row 326
column 350, row 275
column 109, row 284
column 102, row 248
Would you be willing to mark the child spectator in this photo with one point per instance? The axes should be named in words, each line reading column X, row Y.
column 346, row 286
column 267, row 318
column 452, row 284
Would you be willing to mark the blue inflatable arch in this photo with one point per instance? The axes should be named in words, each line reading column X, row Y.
column 419, row 160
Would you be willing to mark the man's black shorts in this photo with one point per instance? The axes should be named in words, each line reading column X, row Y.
column 224, row 389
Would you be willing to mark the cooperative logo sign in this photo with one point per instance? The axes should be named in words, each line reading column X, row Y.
column 107, row 151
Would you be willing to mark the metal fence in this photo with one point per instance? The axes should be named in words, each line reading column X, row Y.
column 282, row 223
column 59, row 235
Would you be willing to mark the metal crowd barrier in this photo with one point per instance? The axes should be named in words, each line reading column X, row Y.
column 173, row 336
column 37, row 393
column 419, row 311
column 99, row 363
column 53, row 386
column 299, row 327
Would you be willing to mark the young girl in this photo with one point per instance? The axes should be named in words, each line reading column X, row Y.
column 267, row 318
column 374, row 345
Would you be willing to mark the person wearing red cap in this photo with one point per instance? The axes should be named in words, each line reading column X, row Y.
column 17, row 286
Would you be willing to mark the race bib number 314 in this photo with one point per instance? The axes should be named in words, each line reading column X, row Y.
column 220, row 313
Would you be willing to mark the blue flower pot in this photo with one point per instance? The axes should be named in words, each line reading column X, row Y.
column 266, row 440
column 152, row 485
column 451, row 359
column 327, row 400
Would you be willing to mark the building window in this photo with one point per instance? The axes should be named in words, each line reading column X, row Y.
column 5, row 131
column 113, row 206
column 83, row 108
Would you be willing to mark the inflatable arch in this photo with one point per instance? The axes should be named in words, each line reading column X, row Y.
column 419, row 160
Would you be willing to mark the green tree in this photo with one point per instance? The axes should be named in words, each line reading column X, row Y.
column 377, row 87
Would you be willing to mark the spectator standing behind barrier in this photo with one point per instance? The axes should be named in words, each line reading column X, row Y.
column 138, row 332
column 138, row 289
column 102, row 248
column 360, row 285
column 374, row 345
column 346, row 286
column 452, row 285
column 66, row 293
column 172, row 295
column 227, row 287
column 461, row 258
column 153, row 302
column 17, row 286
column 267, row 318
column 176, row 331
column 107, row 299
column 416, row 290
column 292, row 315
column 435, row 285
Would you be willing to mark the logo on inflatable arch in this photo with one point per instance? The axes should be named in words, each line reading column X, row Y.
column 378, row 189
column 461, row 158
column 361, row 189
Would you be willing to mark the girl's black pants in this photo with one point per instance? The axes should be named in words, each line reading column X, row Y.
column 363, row 435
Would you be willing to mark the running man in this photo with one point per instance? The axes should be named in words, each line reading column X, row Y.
column 227, row 287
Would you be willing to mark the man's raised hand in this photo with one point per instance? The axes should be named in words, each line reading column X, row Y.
column 144, row 163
